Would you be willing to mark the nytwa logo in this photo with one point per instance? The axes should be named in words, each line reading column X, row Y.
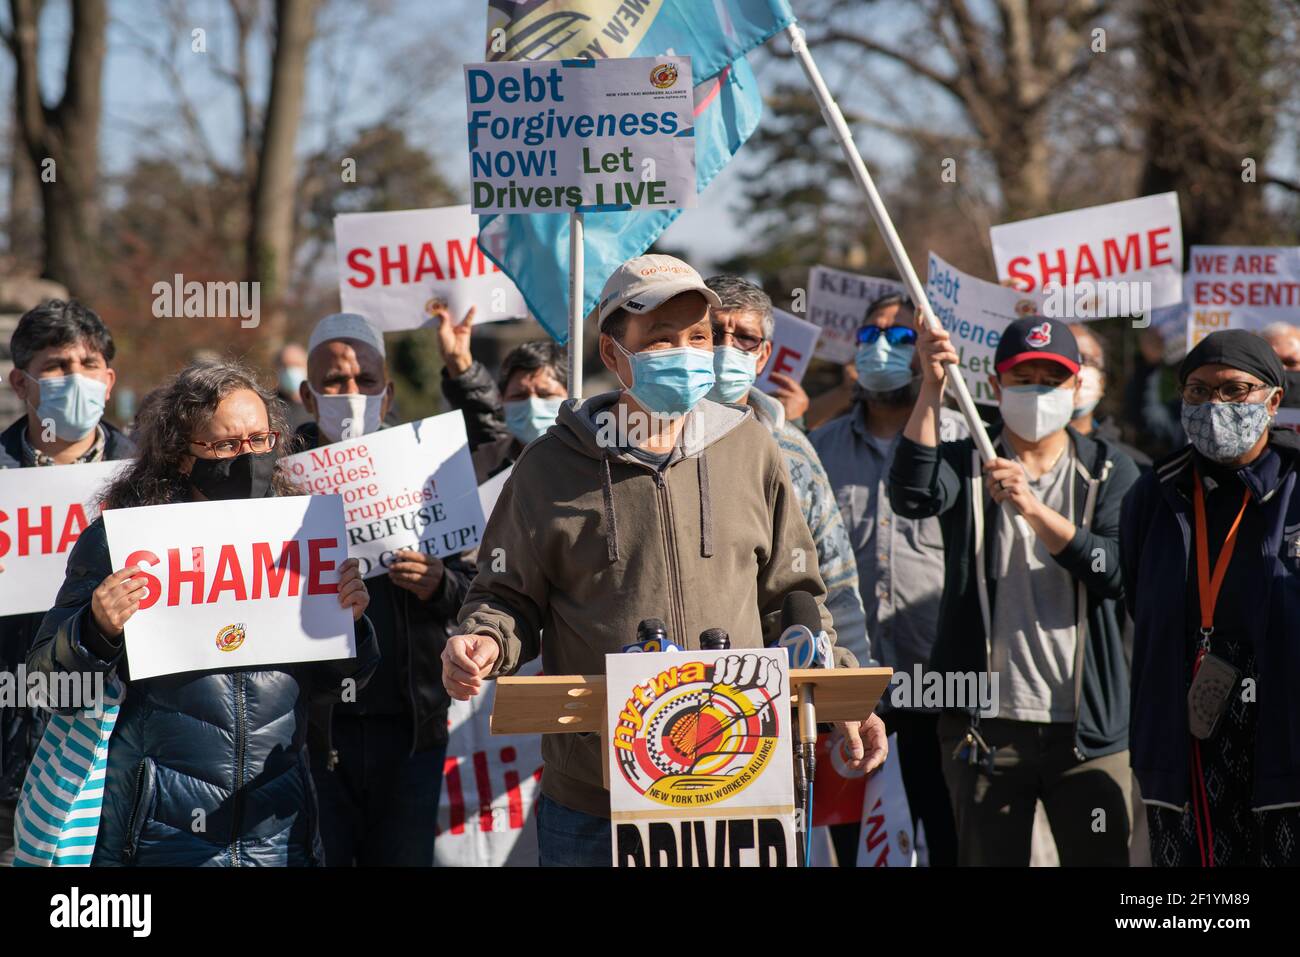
column 699, row 732
column 75, row 910
column 1039, row 336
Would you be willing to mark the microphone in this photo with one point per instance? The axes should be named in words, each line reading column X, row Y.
column 714, row 639
column 801, row 632
column 808, row 647
column 651, row 636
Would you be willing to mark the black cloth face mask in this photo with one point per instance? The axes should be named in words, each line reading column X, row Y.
column 245, row 476
column 1291, row 396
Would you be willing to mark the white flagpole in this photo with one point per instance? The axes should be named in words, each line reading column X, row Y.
column 576, row 270
column 835, row 120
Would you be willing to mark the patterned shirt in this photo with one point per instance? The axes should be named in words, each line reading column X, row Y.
column 900, row 561
column 34, row 456
column 812, row 490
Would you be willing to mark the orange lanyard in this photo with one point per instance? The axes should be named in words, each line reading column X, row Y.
column 1208, row 588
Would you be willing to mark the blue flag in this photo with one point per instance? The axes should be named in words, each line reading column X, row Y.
column 533, row 249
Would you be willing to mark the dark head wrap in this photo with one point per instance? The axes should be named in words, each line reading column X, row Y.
column 1238, row 349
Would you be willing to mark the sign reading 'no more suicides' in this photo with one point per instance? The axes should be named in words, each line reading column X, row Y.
column 410, row 487
column 701, row 760
column 556, row 136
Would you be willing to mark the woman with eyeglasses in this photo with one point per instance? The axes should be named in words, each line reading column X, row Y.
column 204, row 768
column 1210, row 542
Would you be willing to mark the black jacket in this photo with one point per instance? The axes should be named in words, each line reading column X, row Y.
column 940, row 481
column 21, row 728
column 491, row 444
column 204, row 768
column 414, row 646
column 475, row 394
column 1159, row 570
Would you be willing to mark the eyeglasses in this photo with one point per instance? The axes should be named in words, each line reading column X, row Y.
column 1194, row 393
column 744, row 342
column 258, row 443
column 894, row 335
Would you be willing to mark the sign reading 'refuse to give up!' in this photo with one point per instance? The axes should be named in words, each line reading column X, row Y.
column 558, row 136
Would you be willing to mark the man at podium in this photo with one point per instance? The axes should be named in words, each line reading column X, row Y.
column 647, row 502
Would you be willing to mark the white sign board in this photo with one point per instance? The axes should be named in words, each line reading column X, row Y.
column 886, row 838
column 409, row 487
column 553, row 136
column 487, row 814
column 975, row 313
column 490, row 491
column 1241, row 287
column 397, row 269
column 1137, row 241
column 234, row 584
column 701, row 771
column 793, row 342
column 837, row 302
column 43, row 511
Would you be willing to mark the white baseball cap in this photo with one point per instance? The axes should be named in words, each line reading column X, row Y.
column 346, row 325
column 646, row 283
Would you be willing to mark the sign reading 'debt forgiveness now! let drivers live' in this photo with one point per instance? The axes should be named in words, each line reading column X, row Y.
column 551, row 137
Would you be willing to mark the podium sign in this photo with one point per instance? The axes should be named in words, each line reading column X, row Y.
column 701, row 768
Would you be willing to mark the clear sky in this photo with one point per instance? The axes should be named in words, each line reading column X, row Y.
column 405, row 59
column 380, row 59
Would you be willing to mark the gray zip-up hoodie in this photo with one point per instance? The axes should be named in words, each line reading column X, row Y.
column 587, row 540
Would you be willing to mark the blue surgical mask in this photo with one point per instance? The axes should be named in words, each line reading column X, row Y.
column 883, row 367
column 528, row 418
column 734, row 372
column 73, row 403
column 670, row 381
column 291, row 377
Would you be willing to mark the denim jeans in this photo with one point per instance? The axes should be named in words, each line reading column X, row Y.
column 568, row 838
column 379, row 805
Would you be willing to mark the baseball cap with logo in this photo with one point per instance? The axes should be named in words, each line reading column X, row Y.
column 646, row 283
column 1036, row 337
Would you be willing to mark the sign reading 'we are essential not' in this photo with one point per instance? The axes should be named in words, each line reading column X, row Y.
column 592, row 134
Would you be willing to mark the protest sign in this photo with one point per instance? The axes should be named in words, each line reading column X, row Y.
column 837, row 302
column 409, row 487
column 398, row 268
column 490, row 783
column 1241, row 287
column 1120, row 259
column 42, row 513
column 608, row 135
column 886, row 838
column 793, row 342
column 234, row 584
column 490, row 491
column 701, row 771
column 838, row 790
column 975, row 313
column 1288, row 419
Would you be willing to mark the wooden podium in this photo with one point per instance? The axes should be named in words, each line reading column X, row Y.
column 569, row 704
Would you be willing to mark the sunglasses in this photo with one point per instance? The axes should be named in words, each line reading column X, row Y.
column 894, row 335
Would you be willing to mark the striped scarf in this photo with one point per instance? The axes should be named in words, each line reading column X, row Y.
column 58, row 813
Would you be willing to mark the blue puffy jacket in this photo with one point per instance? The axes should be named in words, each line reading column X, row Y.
column 204, row 768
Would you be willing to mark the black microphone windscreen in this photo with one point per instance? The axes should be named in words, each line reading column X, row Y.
column 800, row 608
column 714, row 639
column 650, row 627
